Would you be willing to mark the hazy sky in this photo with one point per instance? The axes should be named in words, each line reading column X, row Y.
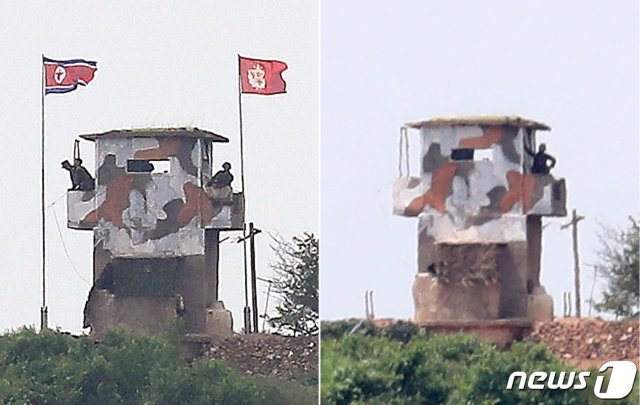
column 570, row 64
column 160, row 63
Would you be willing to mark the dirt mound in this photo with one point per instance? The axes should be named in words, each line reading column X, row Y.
column 589, row 342
column 292, row 358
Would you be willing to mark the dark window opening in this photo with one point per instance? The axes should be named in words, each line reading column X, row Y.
column 462, row 154
column 476, row 155
column 148, row 166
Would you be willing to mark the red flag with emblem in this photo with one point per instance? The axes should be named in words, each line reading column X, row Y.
column 258, row 76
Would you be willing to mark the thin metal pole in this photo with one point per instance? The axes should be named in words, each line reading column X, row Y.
column 43, row 309
column 576, row 261
column 593, row 288
column 241, row 135
column 366, row 304
column 247, row 310
column 266, row 306
column 254, row 288
column 575, row 218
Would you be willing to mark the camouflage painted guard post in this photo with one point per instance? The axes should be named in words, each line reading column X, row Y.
column 479, row 206
column 156, row 231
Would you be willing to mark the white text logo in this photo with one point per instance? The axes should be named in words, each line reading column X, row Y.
column 623, row 375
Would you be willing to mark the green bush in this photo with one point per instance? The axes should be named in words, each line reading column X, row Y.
column 337, row 329
column 455, row 369
column 56, row 368
column 402, row 331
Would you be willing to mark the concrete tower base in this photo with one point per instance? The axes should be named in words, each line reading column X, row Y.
column 540, row 305
column 435, row 301
column 219, row 321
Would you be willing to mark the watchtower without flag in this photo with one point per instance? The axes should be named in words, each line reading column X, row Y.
column 479, row 209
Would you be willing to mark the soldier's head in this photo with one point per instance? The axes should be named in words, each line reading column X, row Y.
column 77, row 162
column 226, row 166
column 66, row 165
column 542, row 147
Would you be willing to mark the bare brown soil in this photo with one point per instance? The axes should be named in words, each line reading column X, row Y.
column 589, row 342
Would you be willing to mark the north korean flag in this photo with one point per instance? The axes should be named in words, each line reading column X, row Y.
column 63, row 76
column 259, row 76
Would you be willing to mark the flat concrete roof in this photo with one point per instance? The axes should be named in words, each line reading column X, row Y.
column 156, row 133
column 483, row 120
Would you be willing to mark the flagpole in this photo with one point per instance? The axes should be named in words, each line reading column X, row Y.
column 247, row 315
column 241, row 140
column 43, row 309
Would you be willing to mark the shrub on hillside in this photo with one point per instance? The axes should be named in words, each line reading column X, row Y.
column 56, row 368
column 401, row 331
column 455, row 369
column 343, row 327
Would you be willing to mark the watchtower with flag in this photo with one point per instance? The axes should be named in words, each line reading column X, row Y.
column 479, row 199
column 156, row 227
column 156, row 231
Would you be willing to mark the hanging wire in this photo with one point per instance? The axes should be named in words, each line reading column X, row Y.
column 64, row 194
column 54, row 202
column 403, row 149
column 64, row 247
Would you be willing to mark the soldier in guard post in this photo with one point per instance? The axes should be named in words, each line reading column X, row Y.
column 540, row 159
column 219, row 186
column 80, row 177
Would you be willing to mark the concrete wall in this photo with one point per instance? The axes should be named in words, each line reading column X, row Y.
column 192, row 279
column 150, row 315
column 513, row 274
column 471, row 281
column 438, row 301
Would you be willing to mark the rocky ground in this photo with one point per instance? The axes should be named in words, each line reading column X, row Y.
column 589, row 342
column 286, row 357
